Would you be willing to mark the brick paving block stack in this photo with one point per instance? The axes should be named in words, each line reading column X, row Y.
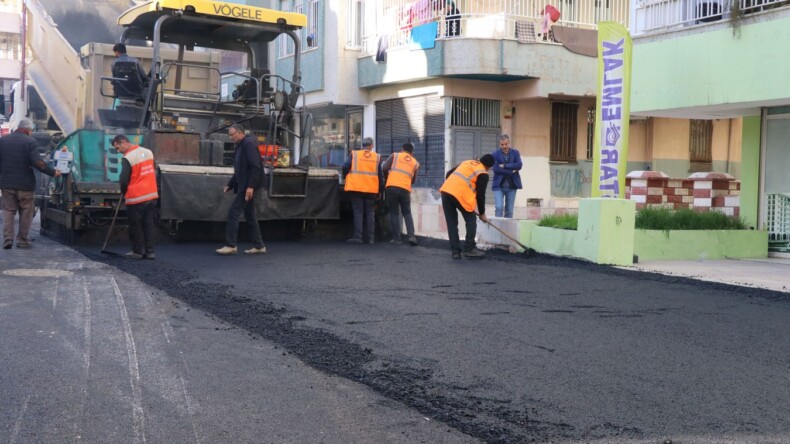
column 700, row 191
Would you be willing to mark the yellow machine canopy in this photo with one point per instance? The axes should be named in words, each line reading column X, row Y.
column 208, row 24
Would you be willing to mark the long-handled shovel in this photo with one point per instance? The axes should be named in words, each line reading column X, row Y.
column 109, row 231
column 527, row 251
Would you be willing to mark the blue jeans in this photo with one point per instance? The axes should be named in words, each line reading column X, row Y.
column 507, row 196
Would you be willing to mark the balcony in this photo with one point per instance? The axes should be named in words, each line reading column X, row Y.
column 651, row 16
column 478, row 19
column 490, row 40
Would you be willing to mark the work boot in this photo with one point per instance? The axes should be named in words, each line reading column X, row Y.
column 456, row 255
column 7, row 244
column 254, row 250
column 370, row 241
column 474, row 253
column 354, row 240
column 412, row 241
column 227, row 250
column 133, row 255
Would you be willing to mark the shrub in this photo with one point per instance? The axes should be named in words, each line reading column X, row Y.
column 564, row 221
column 660, row 219
column 686, row 219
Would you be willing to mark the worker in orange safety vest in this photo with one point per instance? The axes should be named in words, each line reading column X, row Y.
column 401, row 170
column 464, row 190
column 138, row 185
column 362, row 174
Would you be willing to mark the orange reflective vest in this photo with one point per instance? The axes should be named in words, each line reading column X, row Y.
column 363, row 176
column 404, row 165
column 142, row 183
column 462, row 184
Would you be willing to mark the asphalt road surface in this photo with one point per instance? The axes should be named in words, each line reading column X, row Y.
column 324, row 342
column 506, row 349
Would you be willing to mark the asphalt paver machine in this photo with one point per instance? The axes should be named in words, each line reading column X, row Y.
column 182, row 112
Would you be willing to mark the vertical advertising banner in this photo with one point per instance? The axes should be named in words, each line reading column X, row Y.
column 612, row 111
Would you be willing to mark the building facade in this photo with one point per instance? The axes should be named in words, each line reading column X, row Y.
column 451, row 77
column 722, row 66
column 10, row 49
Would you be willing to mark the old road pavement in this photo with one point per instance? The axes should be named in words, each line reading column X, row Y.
column 323, row 342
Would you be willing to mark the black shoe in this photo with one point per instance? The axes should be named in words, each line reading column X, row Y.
column 8, row 244
column 370, row 241
column 412, row 241
column 133, row 255
column 354, row 240
column 457, row 255
column 395, row 241
column 474, row 253
column 151, row 256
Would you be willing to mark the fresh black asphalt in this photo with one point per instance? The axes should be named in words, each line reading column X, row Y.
column 505, row 349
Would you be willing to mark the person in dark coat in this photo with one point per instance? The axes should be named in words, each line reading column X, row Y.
column 506, row 177
column 246, row 180
column 19, row 154
column 121, row 56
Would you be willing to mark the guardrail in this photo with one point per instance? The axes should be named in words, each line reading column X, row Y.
column 655, row 15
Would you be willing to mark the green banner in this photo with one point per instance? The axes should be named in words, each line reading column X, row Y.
column 612, row 111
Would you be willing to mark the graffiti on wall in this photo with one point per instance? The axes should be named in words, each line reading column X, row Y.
column 571, row 180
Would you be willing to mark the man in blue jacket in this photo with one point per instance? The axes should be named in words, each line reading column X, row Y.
column 506, row 177
column 246, row 180
column 19, row 154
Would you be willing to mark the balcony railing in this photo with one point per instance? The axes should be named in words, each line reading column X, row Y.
column 394, row 20
column 659, row 15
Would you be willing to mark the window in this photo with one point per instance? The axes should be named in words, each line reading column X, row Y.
column 700, row 137
column 355, row 24
column 311, row 41
column 590, row 132
column 475, row 112
column 563, row 131
column 284, row 44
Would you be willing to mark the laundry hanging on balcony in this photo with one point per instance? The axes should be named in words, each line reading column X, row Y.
column 423, row 36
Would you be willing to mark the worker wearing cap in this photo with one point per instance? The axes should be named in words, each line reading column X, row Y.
column 401, row 169
column 19, row 154
column 138, row 185
column 464, row 190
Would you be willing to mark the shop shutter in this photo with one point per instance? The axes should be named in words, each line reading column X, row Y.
column 419, row 120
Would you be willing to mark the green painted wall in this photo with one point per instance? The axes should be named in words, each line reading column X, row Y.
column 750, row 169
column 700, row 244
column 692, row 68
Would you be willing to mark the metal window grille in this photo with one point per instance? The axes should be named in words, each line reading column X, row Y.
column 700, row 138
column 563, row 131
column 475, row 112
column 590, row 132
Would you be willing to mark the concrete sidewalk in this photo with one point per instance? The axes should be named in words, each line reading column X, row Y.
column 768, row 273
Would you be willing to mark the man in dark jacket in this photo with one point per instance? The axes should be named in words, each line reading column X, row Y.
column 246, row 180
column 19, row 154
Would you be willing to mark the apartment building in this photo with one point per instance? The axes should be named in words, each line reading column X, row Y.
column 10, row 48
column 715, row 72
column 450, row 77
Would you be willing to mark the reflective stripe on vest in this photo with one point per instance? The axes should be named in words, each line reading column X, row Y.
column 364, row 174
column 402, row 171
column 142, row 182
column 462, row 184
